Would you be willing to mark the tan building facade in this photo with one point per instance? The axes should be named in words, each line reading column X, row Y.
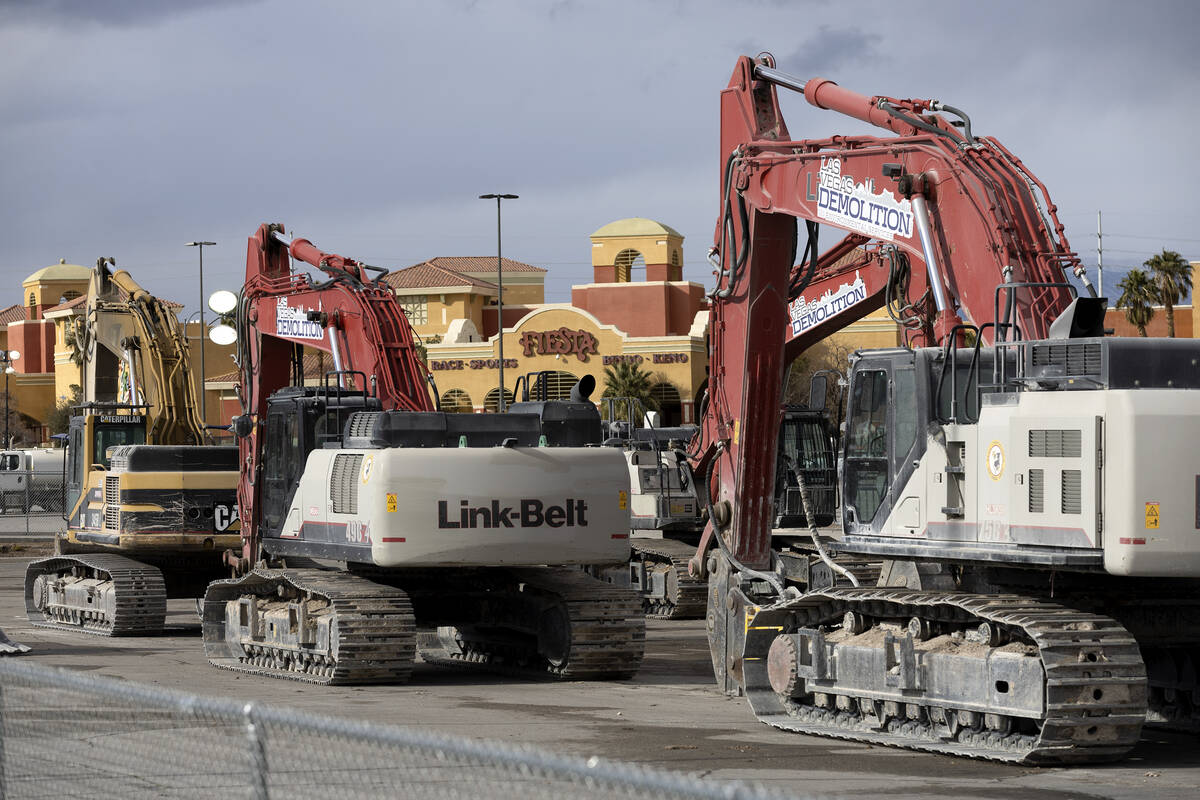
column 559, row 344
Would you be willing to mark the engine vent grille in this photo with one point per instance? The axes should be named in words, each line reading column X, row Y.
column 343, row 483
column 361, row 423
column 112, row 502
column 1037, row 491
column 1072, row 491
column 1076, row 358
column 1055, row 443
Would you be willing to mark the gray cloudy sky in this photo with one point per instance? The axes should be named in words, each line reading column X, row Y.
column 132, row 126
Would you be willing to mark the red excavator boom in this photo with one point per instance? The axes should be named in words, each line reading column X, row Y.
column 959, row 232
column 350, row 315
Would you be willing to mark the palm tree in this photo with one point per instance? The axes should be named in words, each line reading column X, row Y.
column 1172, row 279
column 1137, row 299
column 628, row 379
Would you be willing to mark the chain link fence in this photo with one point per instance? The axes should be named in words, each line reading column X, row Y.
column 70, row 734
column 31, row 502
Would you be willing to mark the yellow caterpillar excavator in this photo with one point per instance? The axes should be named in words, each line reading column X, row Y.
column 149, row 506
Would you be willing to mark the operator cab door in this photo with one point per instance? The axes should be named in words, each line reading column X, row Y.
column 76, row 466
column 881, row 436
column 283, row 463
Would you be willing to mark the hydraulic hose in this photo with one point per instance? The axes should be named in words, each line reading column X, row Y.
column 938, row 105
column 773, row 580
column 806, row 501
column 737, row 256
column 918, row 123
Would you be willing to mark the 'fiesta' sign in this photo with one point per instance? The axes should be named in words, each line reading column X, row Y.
column 806, row 315
column 563, row 341
column 294, row 323
column 857, row 207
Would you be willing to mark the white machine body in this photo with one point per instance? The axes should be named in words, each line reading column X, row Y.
column 465, row 506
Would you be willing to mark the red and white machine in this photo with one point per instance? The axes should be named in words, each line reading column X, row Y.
column 423, row 521
column 1011, row 466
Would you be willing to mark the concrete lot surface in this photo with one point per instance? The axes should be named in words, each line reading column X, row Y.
column 669, row 716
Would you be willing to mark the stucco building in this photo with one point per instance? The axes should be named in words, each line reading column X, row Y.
column 637, row 308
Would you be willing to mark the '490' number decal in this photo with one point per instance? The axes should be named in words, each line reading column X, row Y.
column 358, row 532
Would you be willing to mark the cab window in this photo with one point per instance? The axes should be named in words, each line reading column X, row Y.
column 114, row 435
column 868, row 423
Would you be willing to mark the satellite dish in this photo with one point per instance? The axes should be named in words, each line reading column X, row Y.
column 223, row 334
column 222, row 301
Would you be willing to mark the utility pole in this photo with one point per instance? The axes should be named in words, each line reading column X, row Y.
column 1099, row 254
column 203, row 331
column 499, row 289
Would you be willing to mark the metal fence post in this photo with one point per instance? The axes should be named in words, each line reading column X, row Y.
column 3, row 764
column 258, row 757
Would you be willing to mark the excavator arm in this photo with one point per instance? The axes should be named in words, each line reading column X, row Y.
column 125, row 324
column 350, row 315
column 934, row 220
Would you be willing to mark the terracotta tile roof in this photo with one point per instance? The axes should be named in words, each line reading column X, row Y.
column 481, row 264
column 430, row 274
column 78, row 301
column 14, row 313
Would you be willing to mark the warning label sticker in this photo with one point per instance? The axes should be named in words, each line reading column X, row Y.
column 1151, row 515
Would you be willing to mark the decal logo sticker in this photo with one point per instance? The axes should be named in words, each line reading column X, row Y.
column 1152, row 515
column 368, row 465
column 294, row 322
column 224, row 516
column 622, row 499
column 531, row 513
column 807, row 314
column 995, row 460
column 858, row 207
column 358, row 532
column 391, row 502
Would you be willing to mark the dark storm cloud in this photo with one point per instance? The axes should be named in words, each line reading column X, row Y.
column 108, row 13
column 827, row 50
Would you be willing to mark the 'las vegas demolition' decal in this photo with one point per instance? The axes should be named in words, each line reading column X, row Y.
column 858, row 207
column 805, row 315
column 293, row 322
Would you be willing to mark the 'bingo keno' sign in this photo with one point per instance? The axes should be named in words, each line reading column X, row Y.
column 857, row 206
column 806, row 315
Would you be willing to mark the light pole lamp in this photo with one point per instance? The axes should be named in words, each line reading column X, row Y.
column 499, row 287
column 203, row 409
column 6, row 358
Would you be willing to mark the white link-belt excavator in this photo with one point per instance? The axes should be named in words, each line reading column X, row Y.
column 1027, row 480
column 373, row 524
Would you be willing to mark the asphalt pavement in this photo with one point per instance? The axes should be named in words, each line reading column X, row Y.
column 669, row 716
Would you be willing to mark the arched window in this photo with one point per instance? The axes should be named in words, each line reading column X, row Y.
column 675, row 258
column 69, row 295
column 32, row 300
column 626, row 262
column 558, row 386
column 491, row 403
column 670, row 406
column 456, row 401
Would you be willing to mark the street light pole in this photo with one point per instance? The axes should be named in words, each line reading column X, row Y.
column 499, row 287
column 6, row 358
column 203, row 409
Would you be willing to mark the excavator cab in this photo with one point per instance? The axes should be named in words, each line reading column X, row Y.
column 90, row 436
column 884, row 406
column 806, row 449
column 299, row 420
column 895, row 396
